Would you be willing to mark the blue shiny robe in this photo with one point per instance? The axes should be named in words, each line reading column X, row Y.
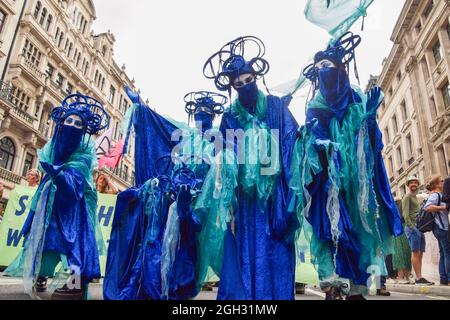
column 70, row 232
column 349, row 255
column 133, row 269
column 259, row 256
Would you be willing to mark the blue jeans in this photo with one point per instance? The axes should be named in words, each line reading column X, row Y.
column 444, row 249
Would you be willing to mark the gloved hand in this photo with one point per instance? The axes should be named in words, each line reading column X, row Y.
column 184, row 200
column 373, row 101
column 50, row 169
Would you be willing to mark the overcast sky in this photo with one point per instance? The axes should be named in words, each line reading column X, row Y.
column 165, row 43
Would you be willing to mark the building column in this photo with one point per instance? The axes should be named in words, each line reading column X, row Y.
column 421, row 106
column 445, row 43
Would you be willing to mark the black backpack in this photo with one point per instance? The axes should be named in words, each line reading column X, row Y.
column 425, row 220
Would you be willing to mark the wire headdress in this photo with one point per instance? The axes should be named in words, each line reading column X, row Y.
column 209, row 102
column 341, row 53
column 240, row 56
column 90, row 110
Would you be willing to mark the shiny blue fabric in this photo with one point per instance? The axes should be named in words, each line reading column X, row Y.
column 124, row 257
column 261, row 254
column 133, row 269
column 348, row 251
column 182, row 276
column 67, row 140
column 205, row 120
column 248, row 95
column 70, row 231
column 381, row 180
column 153, row 141
column 335, row 87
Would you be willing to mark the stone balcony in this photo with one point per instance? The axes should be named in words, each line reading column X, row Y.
column 17, row 115
column 24, row 66
column 9, row 176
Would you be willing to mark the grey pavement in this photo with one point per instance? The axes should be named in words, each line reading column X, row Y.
column 11, row 289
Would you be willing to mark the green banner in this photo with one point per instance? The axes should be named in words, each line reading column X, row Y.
column 16, row 212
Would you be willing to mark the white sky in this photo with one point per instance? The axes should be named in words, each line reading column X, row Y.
column 165, row 43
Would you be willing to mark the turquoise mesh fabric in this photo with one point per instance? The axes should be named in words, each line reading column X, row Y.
column 368, row 219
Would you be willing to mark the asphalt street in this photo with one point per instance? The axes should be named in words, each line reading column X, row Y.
column 11, row 289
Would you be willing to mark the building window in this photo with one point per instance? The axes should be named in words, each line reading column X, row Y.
column 428, row 9
column 59, row 80
column 2, row 20
column 387, row 136
column 123, row 106
column 7, row 154
column 70, row 50
column 49, row 71
column 391, row 166
column 125, row 172
column 404, row 111
column 400, row 158
column 78, row 59
column 69, row 88
column 49, row 22
column 61, row 38
column 112, row 95
column 43, row 16
column 437, row 52
column 446, row 95
column 104, row 51
column 20, row 99
column 31, row 53
column 395, row 124
column 409, row 146
column 37, row 9
column 28, row 165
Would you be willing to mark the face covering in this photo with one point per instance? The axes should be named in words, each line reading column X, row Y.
column 248, row 96
column 204, row 121
column 335, row 88
column 67, row 142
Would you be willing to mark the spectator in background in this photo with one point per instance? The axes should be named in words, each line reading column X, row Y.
column 446, row 193
column 401, row 259
column 34, row 178
column 410, row 209
column 436, row 206
column 105, row 185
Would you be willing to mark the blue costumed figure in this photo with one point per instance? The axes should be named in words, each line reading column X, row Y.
column 251, row 188
column 342, row 193
column 62, row 228
column 154, row 251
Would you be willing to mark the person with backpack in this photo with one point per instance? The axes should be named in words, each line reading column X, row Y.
column 410, row 210
column 438, row 209
column 446, row 192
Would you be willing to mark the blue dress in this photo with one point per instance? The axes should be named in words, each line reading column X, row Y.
column 259, row 254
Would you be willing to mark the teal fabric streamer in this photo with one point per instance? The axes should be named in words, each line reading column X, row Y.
column 336, row 16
